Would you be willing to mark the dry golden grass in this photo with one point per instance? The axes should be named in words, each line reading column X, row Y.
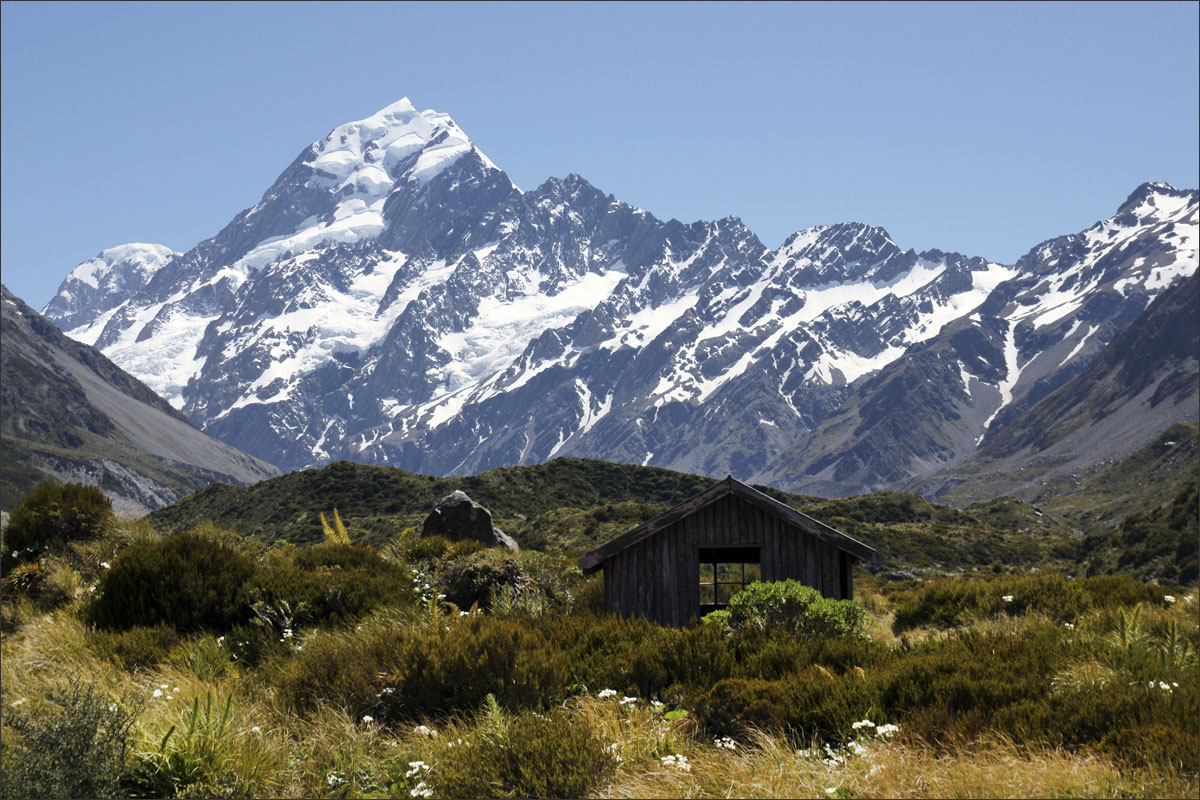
column 767, row 767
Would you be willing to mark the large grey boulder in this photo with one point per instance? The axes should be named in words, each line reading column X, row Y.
column 458, row 517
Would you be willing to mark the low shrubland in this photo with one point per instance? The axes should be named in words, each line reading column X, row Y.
column 204, row 664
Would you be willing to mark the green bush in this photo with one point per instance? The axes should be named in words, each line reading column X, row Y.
column 137, row 647
column 537, row 755
column 735, row 703
column 78, row 750
column 790, row 605
column 51, row 515
column 425, row 548
column 1153, row 745
column 189, row 582
column 471, row 579
column 410, row 672
column 326, row 583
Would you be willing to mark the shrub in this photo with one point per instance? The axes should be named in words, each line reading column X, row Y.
column 425, row 548
column 410, row 672
column 189, row 581
column 78, row 751
column 1153, row 745
column 137, row 647
column 467, row 580
column 535, row 755
column 327, row 583
column 51, row 515
column 733, row 704
column 792, row 606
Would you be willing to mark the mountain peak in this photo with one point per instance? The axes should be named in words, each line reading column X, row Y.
column 1156, row 198
column 368, row 155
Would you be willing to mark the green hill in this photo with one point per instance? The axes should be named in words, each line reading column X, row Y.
column 573, row 505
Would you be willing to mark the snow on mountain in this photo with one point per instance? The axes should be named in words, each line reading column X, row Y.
column 116, row 272
column 1047, row 318
column 394, row 298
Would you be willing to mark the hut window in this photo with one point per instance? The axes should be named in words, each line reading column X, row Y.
column 724, row 571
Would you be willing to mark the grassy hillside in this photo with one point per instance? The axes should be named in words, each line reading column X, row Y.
column 1152, row 477
column 573, row 505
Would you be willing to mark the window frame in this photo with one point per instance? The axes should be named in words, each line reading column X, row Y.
column 716, row 556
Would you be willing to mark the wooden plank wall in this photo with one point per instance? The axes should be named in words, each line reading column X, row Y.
column 658, row 577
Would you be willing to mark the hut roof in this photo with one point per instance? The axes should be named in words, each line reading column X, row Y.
column 730, row 486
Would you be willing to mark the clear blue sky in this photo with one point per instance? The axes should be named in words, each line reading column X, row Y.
column 981, row 128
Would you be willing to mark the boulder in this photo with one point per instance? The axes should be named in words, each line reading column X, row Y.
column 458, row 517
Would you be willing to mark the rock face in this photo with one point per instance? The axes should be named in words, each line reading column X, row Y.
column 395, row 299
column 69, row 413
column 458, row 517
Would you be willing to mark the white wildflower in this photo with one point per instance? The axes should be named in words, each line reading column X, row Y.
column 158, row 692
column 1164, row 686
column 857, row 749
column 106, row 565
column 421, row 790
column 1068, row 625
column 626, row 700
column 725, row 743
column 887, row 730
column 256, row 729
column 113, row 708
column 1170, row 598
column 606, row 693
column 678, row 761
column 830, row 790
column 425, row 730
column 416, row 767
column 1008, row 598
column 368, row 718
column 220, row 641
column 866, row 723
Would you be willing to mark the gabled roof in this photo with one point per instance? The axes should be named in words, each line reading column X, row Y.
column 730, row 486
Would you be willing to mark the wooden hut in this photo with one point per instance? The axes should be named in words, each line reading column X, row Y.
column 690, row 560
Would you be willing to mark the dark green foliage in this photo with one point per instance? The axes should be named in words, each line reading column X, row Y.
column 426, row 548
column 734, row 704
column 189, row 581
column 373, row 497
column 52, row 515
column 137, row 647
column 1161, row 543
column 791, row 606
column 471, row 579
column 76, row 750
column 1153, row 745
column 537, row 755
column 326, row 583
column 949, row 602
column 413, row 672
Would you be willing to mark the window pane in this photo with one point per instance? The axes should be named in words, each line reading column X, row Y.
column 729, row 573
column 753, row 573
column 726, row 591
column 706, row 573
column 707, row 595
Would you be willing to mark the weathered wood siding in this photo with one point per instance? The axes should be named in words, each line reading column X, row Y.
column 659, row 577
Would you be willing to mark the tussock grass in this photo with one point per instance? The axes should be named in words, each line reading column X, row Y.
column 766, row 766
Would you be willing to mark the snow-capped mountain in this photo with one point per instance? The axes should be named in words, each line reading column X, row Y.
column 395, row 299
